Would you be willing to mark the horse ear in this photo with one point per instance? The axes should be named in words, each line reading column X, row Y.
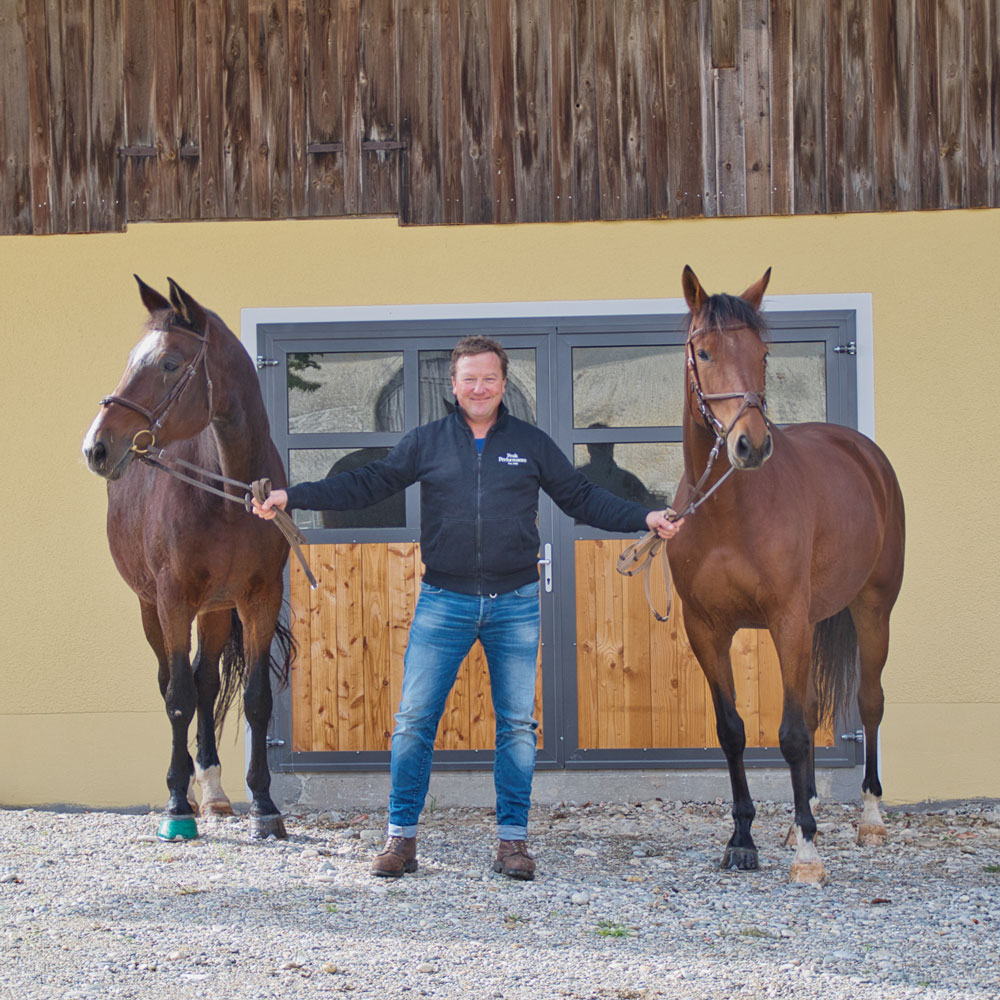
column 754, row 295
column 694, row 294
column 189, row 311
column 151, row 298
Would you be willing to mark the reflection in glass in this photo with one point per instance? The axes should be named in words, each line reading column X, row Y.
column 338, row 392
column 437, row 400
column 628, row 386
column 306, row 465
column 647, row 473
column 796, row 382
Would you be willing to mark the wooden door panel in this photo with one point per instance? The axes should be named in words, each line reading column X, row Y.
column 351, row 634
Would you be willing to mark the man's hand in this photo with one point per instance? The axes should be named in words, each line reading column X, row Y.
column 656, row 520
column 275, row 501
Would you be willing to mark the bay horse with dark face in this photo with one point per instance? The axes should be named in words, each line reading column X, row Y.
column 805, row 539
column 189, row 555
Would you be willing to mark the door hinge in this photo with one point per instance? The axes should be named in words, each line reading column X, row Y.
column 849, row 348
column 271, row 742
column 263, row 362
column 858, row 736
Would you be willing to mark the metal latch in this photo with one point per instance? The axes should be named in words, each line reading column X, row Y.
column 858, row 736
column 849, row 348
column 263, row 362
column 271, row 742
column 547, row 563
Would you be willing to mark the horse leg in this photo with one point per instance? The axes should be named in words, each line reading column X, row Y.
column 712, row 652
column 213, row 633
column 259, row 616
column 872, row 627
column 812, row 723
column 154, row 636
column 794, row 646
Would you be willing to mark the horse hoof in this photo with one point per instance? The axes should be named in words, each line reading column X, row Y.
column 808, row 872
column 743, row 859
column 177, row 828
column 262, row 827
column 221, row 808
column 870, row 835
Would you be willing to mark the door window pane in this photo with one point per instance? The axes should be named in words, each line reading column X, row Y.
column 334, row 393
column 306, row 465
column 628, row 386
column 645, row 473
column 437, row 400
column 796, row 382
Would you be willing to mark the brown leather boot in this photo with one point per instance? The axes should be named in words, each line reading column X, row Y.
column 514, row 861
column 398, row 856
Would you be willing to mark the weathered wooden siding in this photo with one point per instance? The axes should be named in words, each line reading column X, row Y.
column 489, row 111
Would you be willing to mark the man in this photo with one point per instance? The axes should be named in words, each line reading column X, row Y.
column 479, row 471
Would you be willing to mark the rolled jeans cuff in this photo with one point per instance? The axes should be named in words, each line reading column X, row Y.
column 395, row 830
column 512, row 833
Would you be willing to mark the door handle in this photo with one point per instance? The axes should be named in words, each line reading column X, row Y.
column 547, row 563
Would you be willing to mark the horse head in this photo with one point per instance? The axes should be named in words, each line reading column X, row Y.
column 165, row 393
column 726, row 364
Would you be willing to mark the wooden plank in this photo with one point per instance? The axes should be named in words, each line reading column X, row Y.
column 730, row 148
column 327, row 724
column 770, row 691
column 420, row 190
column 211, row 28
column 586, row 645
column 107, row 211
column 300, row 616
column 609, row 139
column 189, row 183
column 403, row 576
column 632, row 81
column 995, row 103
column 636, row 666
column 532, row 111
column 298, row 158
column 477, row 115
column 481, row 732
column 450, row 95
column 952, row 141
column 77, row 53
column 376, row 645
column 684, row 85
column 29, row 202
column 501, row 62
column 832, row 110
column 707, row 73
column 349, row 34
column 141, row 188
column 610, row 649
column 926, row 95
column 350, row 649
column 809, row 101
column 662, row 661
column 453, row 731
column 978, row 101
column 780, row 100
column 166, row 113
column 238, row 157
column 325, row 110
column 277, row 135
column 725, row 33
column 859, row 117
column 539, row 704
column 377, row 98
column 756, row 72
column 654, row 89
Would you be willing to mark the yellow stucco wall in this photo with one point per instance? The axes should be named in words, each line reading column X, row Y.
column 81, row 719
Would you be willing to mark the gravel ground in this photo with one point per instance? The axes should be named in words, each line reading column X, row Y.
column 628, row 903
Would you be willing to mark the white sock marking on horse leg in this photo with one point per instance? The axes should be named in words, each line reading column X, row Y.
column 213, row 798
column 807, row 865
column 871, row 828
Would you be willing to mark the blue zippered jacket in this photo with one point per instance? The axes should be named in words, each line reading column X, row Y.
column 478, row 512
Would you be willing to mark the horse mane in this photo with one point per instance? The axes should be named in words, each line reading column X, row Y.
column 722, row 310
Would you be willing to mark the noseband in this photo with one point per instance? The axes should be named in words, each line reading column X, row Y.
column 158, row 414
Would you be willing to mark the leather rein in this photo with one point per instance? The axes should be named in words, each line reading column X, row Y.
column 638, row 557
column 143, row 449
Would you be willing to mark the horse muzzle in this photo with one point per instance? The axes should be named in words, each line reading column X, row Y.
column 107, row 456
column 746, row 454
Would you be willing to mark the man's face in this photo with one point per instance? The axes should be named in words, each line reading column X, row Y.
column 478, row 383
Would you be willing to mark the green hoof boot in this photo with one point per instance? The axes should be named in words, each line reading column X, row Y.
column 178, row 828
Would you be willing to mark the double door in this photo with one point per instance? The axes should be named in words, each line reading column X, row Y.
column 614, row 686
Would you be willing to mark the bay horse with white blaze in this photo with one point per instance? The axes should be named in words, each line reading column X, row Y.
column 188, row 554
column 806, row 539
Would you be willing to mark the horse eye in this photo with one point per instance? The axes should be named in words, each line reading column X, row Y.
column 170, row 365
column 703, row 355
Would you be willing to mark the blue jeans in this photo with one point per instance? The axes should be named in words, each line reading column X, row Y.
column 445, row 626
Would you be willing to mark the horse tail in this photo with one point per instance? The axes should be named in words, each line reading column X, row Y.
column 288, row 648
column 835, row 663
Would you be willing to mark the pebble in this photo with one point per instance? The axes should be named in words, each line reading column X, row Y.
column 642, row 911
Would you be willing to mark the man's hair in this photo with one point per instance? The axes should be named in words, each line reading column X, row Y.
column 478, row 345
